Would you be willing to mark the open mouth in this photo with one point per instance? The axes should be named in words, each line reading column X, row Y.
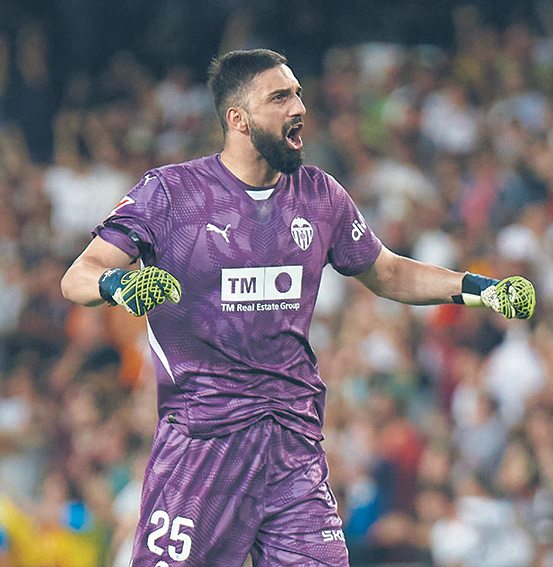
column 294, row 136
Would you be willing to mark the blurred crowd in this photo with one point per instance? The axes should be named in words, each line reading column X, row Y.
column 439, row 424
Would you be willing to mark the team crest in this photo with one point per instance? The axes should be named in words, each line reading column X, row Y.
column 302, row 232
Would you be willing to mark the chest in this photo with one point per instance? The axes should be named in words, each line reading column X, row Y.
column 245, row 248
column 237, row 231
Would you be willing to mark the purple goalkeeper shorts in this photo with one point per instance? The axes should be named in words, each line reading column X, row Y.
column 261, row 490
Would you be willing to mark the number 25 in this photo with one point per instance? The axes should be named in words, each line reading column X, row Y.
column 161, row 518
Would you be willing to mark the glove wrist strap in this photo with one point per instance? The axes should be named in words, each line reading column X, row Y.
column 471, row 289
column 109, row 283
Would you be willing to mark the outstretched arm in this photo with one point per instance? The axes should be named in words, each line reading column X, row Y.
column 408, row 281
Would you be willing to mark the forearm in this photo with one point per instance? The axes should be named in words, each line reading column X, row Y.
column 104, row 273
column 408, row 281
column 80, row 282
column 405, row 280
column 422, row 284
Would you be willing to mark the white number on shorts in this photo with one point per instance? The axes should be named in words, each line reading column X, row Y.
column 157, row 517
column 162, row 517
column 178, row 523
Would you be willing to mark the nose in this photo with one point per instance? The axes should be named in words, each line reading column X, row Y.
column 298, row 108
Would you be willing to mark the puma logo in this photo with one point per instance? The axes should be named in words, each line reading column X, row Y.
column 222, row 232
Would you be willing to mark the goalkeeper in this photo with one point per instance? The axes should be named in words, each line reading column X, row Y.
column 233, row 246
column 139, row 291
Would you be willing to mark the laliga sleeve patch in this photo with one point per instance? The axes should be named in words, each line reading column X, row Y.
column 124, row 201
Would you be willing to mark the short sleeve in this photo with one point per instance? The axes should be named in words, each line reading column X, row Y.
column 354, row 247
column 140, row 224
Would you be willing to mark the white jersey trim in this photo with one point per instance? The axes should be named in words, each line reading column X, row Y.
column 260, row 194
column 156, row 347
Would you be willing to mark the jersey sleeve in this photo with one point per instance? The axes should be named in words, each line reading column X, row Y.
column 353, row 247
column 140, row 224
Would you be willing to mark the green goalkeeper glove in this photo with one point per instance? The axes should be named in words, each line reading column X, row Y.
column 139, row 291
column 513, row 297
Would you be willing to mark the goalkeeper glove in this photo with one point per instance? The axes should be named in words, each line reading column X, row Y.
column 139, row 291
column 513, row 297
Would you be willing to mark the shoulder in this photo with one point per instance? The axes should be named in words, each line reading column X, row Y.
column 179, row 179
column 176, row 171
column 316, row 182
column 313, row 173
column 319, row 176
column 315, row 179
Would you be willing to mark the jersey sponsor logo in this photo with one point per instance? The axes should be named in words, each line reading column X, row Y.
column 302, row 232
column 124, row 201
column 359, row 227
column 222, row 231
column 259, row 284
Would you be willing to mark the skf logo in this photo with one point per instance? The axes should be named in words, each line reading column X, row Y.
column 257, row 284
column 302, row 232
column 359, row 228
column 333, row 535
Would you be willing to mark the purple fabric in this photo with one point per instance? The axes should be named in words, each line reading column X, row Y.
column 262, row 489
column 236, row 347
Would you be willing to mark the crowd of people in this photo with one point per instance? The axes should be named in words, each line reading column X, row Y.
column 439, row 423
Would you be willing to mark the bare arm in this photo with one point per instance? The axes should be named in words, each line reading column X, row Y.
column 408, row 281
column 80, row 282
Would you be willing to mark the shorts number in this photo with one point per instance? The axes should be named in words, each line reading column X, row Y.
column 161, row 518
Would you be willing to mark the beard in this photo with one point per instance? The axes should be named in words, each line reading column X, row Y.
column 276, row 151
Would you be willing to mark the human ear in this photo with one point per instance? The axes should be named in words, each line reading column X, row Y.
column 237, row 120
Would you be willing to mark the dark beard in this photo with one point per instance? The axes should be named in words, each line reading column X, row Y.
column 275, row 150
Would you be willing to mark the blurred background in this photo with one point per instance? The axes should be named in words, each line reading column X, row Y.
column 438, row 118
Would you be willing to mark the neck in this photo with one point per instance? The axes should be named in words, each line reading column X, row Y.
column 249, row 166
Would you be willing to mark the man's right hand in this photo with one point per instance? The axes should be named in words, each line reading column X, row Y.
column 139, row 291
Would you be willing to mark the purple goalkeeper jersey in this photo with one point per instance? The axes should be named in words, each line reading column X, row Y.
column 236, row 347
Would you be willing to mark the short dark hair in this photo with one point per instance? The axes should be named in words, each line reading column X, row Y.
column 229, row 74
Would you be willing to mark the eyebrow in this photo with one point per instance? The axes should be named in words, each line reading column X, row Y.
column 286, row 91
